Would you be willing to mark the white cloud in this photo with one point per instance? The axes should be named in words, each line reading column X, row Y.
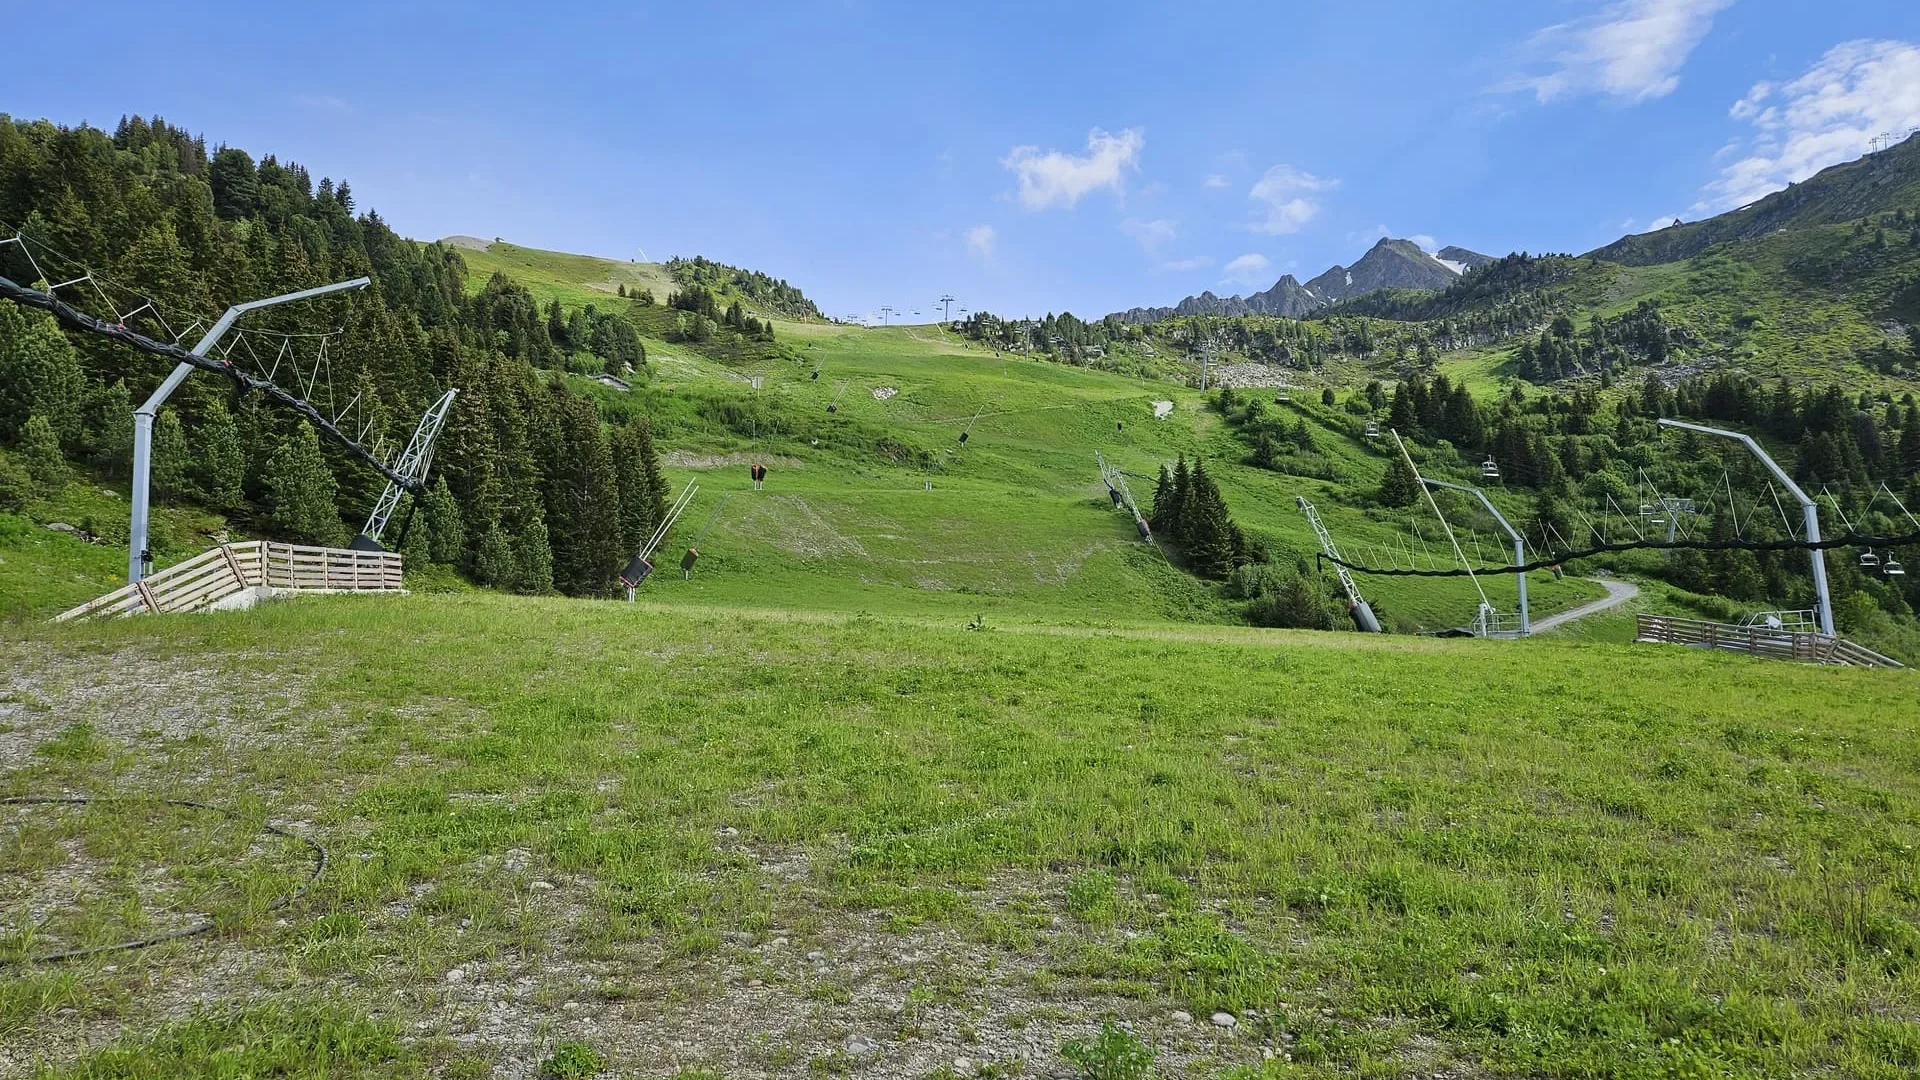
column 1054, row 178
column 1284, row 190
column 1151, row 234
column 1248, row 269
column 981, row 240
column 1426, row 243
column 1858, row 90
column 1187, row 265
column 1214, row 180
column 1631, row 50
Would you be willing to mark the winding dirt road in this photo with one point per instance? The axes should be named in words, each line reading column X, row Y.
column 1618, row 592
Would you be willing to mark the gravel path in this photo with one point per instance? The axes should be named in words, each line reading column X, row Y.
column 1618, row 592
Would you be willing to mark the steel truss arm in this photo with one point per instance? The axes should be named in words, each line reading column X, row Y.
column 80, row 320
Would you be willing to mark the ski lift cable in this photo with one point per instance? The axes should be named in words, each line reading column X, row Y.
column 711, row 519
column 1784, row 519
column 1898, row 503
column 1823, row 544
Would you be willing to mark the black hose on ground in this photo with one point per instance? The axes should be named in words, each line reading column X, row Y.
column 319, row 868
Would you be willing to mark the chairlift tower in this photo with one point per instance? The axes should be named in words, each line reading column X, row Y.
column 946, row 308
column 641, row 566
column 1519, row 543
column 138, row 554
column 414, row 462
column 1357, row 606
column 1122, row 495
column 1809, row 510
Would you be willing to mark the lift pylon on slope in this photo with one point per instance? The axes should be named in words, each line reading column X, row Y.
column 1122, row 495
column 413, row 464
column 641, row 565
column 1357, row 606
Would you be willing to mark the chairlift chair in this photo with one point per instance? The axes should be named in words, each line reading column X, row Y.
column 1892, row 567
column 1490, row 469
column 1373, row 429
column 1869, row 561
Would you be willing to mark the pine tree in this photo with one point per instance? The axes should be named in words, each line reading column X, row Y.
column 1163, row 499
column 493, row 559
column 40, row 447
column 16, row 485
column 636, row 492
column 650, row 464
column 582, row 498
column 416, row 547
column 106, row 430
column 533, row 557
column 1403, row 415
column 39, row 373
column 1176, row 511
column 440, row 523
column 300, row 491
column 1400, row 486
column 219, row 463
column 1209, row 540
column 171, row 460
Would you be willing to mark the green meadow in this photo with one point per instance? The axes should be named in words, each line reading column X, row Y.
column 932, row 768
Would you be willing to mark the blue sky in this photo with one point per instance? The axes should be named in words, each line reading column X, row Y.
column 1023, row 157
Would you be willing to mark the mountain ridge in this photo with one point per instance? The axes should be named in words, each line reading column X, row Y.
column 1873, row 183
column 1390, row 264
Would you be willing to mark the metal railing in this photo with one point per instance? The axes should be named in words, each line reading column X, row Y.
column 220, row 572
column 1774, row 643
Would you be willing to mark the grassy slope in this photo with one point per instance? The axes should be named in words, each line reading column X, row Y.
column 1560, row 860
column 575, row 280
column 1809, row 305
column 43, row 572
column 1017, row 524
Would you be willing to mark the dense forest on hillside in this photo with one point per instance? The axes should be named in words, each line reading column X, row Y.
column 1594, row 469
column 770, row 294
column 536, row 489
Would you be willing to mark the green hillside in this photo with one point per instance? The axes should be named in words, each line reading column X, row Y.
column 932, row 767
column 574, row 280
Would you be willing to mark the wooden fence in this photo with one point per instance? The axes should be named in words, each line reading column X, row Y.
column 1774, row 644
column 218, row 573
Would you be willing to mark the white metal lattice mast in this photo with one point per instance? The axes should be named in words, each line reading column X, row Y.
column 414, row 462
column 1357, row 605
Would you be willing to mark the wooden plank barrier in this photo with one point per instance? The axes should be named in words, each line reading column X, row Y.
column 218, row 573
column 1759, row 641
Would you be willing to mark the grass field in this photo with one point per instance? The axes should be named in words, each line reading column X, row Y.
column 763, row 843
column 933, row 769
